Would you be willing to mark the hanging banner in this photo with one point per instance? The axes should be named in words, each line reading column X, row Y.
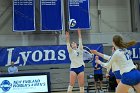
column 51, row 15
column 38, row 55
column 79, row 16
column 135, row 51
column 23, row 15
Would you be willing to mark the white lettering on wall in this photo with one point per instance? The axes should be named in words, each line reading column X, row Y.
column 34, row 58
column 22, row 58
column 61, row 55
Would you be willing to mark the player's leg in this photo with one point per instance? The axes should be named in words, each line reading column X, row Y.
column 132, row 78
column 137, row 80
column 80, row 73
column 73, row 76
column 130, row 90
column 137, row 87
column 118, row 76
column 81, row 81
column 96, row 81
column 122, row 88
column 100, row 80
column 118, row 81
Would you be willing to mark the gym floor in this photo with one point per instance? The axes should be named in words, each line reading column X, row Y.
column 78, row 92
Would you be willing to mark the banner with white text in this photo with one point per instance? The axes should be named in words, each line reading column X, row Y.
column 39, row 55
column 135, row 51
column 23, row 15
column 79, row 16
column 51, row 15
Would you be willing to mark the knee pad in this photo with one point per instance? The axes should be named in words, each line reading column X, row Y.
column 131, row 90
column 70, row 88
column 82, row 89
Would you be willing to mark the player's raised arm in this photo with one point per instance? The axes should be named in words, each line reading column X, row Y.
column 67, row 37
column 80, row 39
column 68, row 41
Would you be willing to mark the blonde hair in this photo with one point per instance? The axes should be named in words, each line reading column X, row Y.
column 119, row 42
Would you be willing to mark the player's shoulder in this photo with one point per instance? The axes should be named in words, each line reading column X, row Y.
column 117, row 52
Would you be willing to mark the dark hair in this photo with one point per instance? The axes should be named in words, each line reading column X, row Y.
column 118, row 40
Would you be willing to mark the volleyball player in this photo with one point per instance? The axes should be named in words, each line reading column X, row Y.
column 77, row 64
column 114, row 67
column 122, row 58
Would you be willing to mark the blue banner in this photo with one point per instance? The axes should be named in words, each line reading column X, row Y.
column 23, row 15
column 135, row 51
column 38, row 55
column 51, row 15
column 79, row 16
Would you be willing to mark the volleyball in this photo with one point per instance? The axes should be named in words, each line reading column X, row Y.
column 72, row 22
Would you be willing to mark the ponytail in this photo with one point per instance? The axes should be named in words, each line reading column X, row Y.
column 130, row 43
column 118, row 40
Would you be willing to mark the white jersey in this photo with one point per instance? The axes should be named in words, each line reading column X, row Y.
column 114, row 66
column 76, row 56
column 122, row 58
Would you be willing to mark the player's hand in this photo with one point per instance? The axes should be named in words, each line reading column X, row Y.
column 98, row 68
column 97, row 61
column 107, row 75
column 94, row 51
column 95, row 67
column 113, row 49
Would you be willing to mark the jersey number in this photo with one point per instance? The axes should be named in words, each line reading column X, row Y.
column 127, row 55
column 77, row 53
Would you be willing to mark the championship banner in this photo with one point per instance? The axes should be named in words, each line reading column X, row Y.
column 79, row 16
column 135, row 51
column 51, row 15
column 38, row 55
column 23, row 15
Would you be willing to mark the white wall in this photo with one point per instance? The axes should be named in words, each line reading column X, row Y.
column 115, row 15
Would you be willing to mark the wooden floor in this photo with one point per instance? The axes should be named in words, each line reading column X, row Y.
column 78, row 92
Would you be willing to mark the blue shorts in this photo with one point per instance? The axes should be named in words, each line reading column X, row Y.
column 131, row 78
column 78, row 70
column 117, row 74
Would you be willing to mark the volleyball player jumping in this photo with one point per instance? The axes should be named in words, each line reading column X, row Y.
column 77, row 63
